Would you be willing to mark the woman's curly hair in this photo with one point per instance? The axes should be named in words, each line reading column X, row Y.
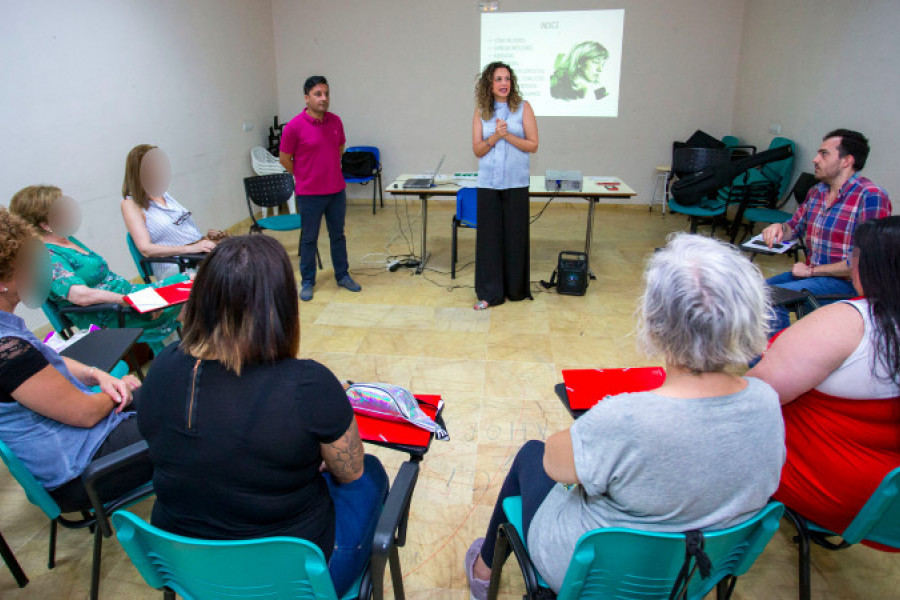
column 484, row 97
column 14, row 232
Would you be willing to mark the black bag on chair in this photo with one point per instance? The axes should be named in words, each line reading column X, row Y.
column 359, row 164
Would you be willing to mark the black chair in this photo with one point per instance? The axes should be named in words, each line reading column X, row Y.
column 267, row 191
column 95, row 516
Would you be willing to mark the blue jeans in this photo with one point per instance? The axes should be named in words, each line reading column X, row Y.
column 815, row 285
column 526, row 478
column 357, row 507
column 312, row 208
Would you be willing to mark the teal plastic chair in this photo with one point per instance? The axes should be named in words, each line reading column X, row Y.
column 878, row 521
column 709, row 211
column 466, row 216
column 144, row 264
column 378, row 188
column 268, row 191
column 275, row 567
column 627, row 563
column 64, row 327
column 94, row 517
column 765, row 185
column 767, row 216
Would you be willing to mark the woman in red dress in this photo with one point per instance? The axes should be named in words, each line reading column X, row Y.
column 837, row 372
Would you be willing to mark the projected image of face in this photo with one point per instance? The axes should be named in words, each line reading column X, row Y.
column 576, row 74
column 593, row 68
column 501, row 84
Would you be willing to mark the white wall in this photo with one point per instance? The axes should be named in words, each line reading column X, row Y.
column 83, row 82
column 402, row 78
column 816, row 65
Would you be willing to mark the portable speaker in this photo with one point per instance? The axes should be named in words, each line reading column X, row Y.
column 573, row 273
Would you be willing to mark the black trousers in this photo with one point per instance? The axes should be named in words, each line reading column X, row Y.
column 72, row 497
column 502, row 257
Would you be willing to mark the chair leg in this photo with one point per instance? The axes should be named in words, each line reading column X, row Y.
column 51, row 559
column 802, row 540
column 396, row 573
column 725, row 587
column 95, row 567
column 453, row 250
column 381, row 189
column 168, row 594
column 14, row 567
column 374, row 194
column 500, row 553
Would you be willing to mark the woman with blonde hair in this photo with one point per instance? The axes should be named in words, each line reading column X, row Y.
column 158, row 224
column 504, row 134
column 80, row 276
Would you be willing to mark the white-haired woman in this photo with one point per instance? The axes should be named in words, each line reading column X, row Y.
column 703, row 451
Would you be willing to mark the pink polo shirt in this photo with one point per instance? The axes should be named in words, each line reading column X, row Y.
column 316, row 148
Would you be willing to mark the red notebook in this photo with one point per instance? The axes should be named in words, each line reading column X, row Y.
column 393, row 432
column 587, row 387
column 150, row 299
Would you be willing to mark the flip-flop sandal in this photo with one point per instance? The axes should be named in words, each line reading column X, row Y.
column 481, row 305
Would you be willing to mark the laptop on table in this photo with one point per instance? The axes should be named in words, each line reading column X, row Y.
column 423, row 182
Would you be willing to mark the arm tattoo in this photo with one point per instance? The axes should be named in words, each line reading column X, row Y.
column 345, row 456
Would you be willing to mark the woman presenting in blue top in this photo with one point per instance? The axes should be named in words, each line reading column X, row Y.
column 504, row 133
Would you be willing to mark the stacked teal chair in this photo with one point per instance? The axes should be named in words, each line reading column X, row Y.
column 627, row 563
column 762, row 187
column 275, row 567
column 96, row 517
column 767, row 216
column 268, row 191
column 878, row 521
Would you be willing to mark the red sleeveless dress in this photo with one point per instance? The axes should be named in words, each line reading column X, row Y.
column 838, row 451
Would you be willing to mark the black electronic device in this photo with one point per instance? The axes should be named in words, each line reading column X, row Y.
column 572, row 273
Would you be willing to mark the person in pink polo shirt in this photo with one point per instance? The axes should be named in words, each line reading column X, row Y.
column 311, row 147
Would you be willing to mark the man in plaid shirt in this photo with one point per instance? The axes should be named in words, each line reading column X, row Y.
column 827, row 219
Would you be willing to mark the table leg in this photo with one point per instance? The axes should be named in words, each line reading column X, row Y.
column 425, row 255
column 589, row 235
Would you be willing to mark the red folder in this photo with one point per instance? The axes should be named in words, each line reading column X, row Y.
column 587, row 387
column 169, row 295
column 372, row 429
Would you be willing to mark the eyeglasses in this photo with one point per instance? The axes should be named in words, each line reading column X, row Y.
column 182, row 218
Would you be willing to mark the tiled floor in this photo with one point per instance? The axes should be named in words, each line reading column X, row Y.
column 496, row 372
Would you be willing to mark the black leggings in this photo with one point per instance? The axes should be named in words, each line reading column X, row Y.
column 526, row 478
column 502, row 257
column 72, row 497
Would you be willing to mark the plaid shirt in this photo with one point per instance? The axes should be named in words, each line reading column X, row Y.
column 828, row 232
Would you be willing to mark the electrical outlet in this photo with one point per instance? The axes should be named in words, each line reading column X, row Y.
column 775, row 129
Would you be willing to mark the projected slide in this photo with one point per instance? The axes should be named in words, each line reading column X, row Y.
column 567, row 62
